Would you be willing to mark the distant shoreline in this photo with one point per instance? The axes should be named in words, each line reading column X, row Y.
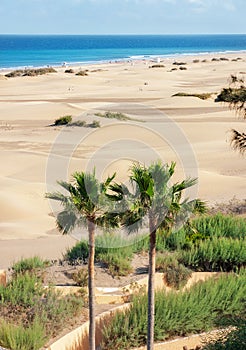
column 132, row 59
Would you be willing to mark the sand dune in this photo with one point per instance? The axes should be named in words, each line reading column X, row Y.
column 28, row 145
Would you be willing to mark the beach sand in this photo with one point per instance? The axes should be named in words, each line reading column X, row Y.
column 191, row 131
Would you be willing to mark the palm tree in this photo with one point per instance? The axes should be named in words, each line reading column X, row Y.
column 235, row 95
column 160, row 204
column 86, row 205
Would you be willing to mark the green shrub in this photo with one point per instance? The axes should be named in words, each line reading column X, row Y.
column 77, row 254
column 178, row 314
column 30, row 72
column 23, row 289
column 217, row 254
column 113, row 115
column 94, row 124
column 117, row 265
column 63, row 120
column 24, row 301
column 29, row 265
column 220, row 226
column 70, row 70
column 79, row 123
column 202, row 96
column 18, row 337
column 81, row 277
column 177, row 276
column 157, row 66
column 82, row 73
column 231, row 95
column 166, row 261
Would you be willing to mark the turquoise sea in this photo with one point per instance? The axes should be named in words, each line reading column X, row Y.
column 42, row 50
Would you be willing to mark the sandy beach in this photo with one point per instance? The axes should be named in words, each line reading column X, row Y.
column 191, row 131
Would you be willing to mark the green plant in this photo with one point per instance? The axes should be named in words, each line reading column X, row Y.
column 18, row 337
column 29, row 265
column 113, row 115
column 177, row 276
column 217, row 254
column 23, row 289
column 70, row 70
column 178, row 314
column 94, row 124
column 81, row 277
column 157, row 66
column 77, row 254
column 30, row 72
column 202, row 96
column 63, row 120
column 117, row 265
column 166, row 261
column 79, row 123
column 82, row 73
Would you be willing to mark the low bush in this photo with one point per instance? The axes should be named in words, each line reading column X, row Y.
column 116, row 264
column 70, row 70
column 40, row 311
column 203, row 96
column 177, row 277
column 18, row 337
column 217, row 254
column 82, row 73
column 157, row 66
column 30, row 72
column 22, row 290
column 29, row 265
column 77, row 254
column 166, row 261
column 113, row 115
column 94, row 124
column 81, row 277
column 178, row 314
column 63, row 120
column 79, row 123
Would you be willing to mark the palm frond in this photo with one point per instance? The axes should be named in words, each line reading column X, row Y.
column 238, row 141
column 66, row 221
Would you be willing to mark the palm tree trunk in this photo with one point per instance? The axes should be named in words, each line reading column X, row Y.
column 151, row 285
column 91, row 287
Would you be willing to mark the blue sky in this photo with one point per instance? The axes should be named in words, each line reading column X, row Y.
column 122, row 16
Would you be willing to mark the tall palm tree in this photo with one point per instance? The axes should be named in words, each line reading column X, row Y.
column 86, row 205
column 158, row 203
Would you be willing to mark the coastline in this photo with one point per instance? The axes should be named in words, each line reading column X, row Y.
column 131, row 59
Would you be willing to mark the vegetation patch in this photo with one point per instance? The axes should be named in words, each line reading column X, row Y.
column 116, row 115
column 30, row 72
column 70, row 70
column 202, row 96
column 30, row 313
column 179, row 63
column 178, row 314
column 63, row 120
column 157, row 66
column 82, row 73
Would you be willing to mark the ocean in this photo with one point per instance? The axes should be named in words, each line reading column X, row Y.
column 42, row 50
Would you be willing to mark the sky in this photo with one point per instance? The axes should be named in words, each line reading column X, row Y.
column 122, row 16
